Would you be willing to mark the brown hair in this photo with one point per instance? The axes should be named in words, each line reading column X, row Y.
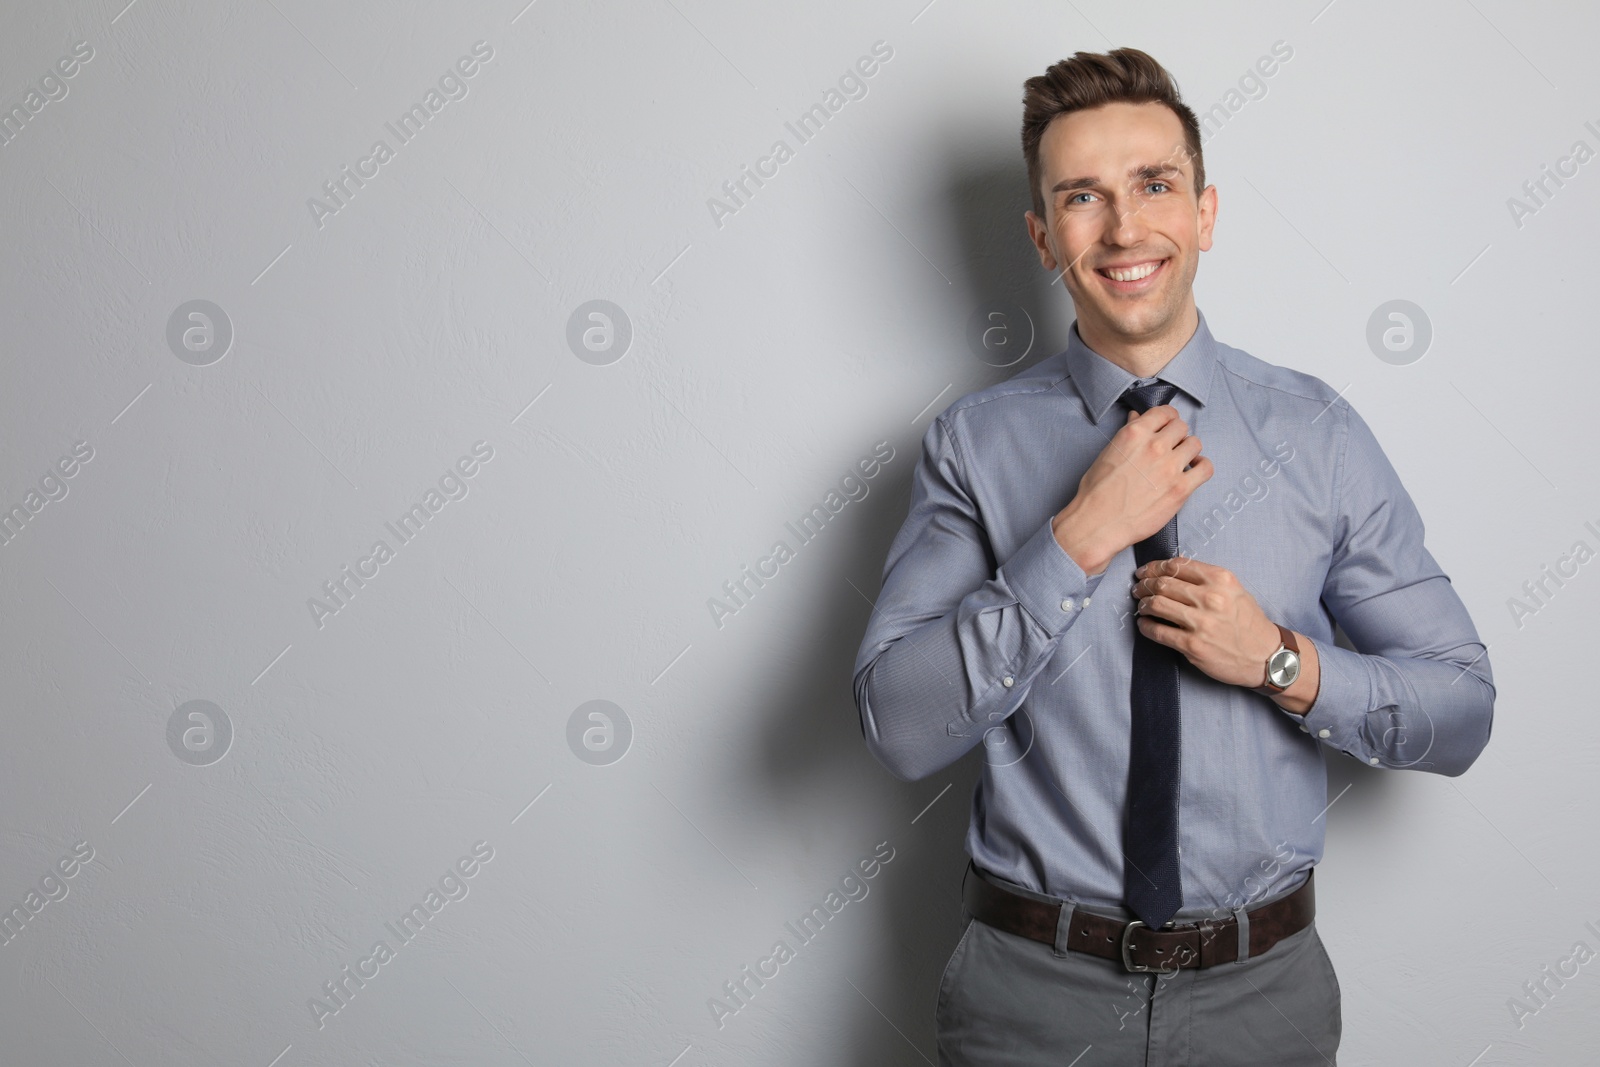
column 1089, row 80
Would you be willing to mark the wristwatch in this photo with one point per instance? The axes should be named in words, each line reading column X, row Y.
column 1283, row 666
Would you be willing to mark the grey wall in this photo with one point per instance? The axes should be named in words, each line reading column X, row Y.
column 240, row 853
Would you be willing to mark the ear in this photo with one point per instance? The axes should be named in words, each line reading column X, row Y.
column 1039, row 234
column 1208, row 216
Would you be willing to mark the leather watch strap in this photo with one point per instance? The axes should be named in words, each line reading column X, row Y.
column 1287, row 640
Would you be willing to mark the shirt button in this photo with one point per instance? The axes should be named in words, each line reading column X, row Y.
column 1086, row 600
column 1372, row 759
column 1007, row 681
column 1066, row 605
column 1323, row 733
column 1304, row 729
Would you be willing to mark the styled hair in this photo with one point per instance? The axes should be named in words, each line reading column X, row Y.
column 1092, row 79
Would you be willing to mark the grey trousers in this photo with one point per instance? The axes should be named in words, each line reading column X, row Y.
column 1009, row 1001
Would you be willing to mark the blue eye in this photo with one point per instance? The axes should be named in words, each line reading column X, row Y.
column 1074, row 198
column 1162, row 184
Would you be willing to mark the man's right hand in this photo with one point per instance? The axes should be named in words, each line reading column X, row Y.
column 1132, row 489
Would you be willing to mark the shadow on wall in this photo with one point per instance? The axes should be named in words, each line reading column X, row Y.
column 812, row 740
column 815, row 753
column 1372, row 795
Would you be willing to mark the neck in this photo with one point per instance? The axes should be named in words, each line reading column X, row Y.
column 1143, row 356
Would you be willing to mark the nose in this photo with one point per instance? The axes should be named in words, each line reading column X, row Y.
column 1127, row 227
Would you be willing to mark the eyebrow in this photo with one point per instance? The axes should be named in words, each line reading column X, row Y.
column 1146, row 172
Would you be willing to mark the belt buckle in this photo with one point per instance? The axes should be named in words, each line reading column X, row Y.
column 1127, row 959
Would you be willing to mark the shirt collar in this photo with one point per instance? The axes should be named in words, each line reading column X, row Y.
column 1100, row 382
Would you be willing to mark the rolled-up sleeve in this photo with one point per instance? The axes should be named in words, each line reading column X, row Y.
column 1419, row 693
column 957, row 638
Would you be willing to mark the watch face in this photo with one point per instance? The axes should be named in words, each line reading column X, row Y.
column 1283, row 668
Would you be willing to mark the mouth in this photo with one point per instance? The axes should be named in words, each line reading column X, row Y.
column 1132, row 277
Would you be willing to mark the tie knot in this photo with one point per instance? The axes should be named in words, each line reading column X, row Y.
column 1142, row 398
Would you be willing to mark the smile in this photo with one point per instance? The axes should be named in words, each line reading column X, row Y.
column 1129, row 276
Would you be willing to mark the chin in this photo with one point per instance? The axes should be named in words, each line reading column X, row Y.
column 1139, row 321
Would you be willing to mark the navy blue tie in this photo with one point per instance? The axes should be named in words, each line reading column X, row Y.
column 1151, row 880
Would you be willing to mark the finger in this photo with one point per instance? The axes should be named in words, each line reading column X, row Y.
column 1160, row 417
column 1190, row 570
column 1171, row 586
column 1198, row 473
column 1163, row 607
column 1186, row 450
column 1156, row 567
column 1172, row 566
column 1175, row 586
column 1163, row 633
column 1172, row 428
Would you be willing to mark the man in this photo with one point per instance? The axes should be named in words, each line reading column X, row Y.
column 1152, row 798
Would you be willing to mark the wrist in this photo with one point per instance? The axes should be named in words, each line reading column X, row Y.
column 1265, row 657
column 1301, row 695
column 1271, row 640
column 1076, row 536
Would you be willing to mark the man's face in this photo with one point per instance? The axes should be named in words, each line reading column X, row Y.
column 1123, row 223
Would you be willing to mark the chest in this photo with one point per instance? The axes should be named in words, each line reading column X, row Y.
column 1266, row 513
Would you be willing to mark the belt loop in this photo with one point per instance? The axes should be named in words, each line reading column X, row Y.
column 1064, row 926
column 1242, row 917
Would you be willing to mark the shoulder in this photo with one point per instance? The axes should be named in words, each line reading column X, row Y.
column 1318, row 414
column 998, row 422
column 1046, row 383
column 1270, row 383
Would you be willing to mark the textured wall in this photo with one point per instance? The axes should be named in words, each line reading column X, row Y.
column 244, row 742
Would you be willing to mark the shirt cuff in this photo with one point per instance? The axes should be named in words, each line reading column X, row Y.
column 1344, row 698
column 1048, row 582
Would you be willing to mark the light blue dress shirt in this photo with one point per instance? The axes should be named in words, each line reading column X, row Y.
column 987, row 632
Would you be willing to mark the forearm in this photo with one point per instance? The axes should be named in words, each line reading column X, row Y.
column 922, row 701
column 927, row 694
column 1402, row 712
column 1420, row 693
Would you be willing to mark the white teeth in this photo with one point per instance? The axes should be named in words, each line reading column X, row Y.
column 1132, row 274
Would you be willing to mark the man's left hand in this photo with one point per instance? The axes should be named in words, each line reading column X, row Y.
column 1211, row 618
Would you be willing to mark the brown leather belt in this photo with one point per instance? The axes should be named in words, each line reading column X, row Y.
column 1133, row 944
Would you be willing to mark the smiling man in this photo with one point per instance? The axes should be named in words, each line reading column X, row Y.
column 1151, row 805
